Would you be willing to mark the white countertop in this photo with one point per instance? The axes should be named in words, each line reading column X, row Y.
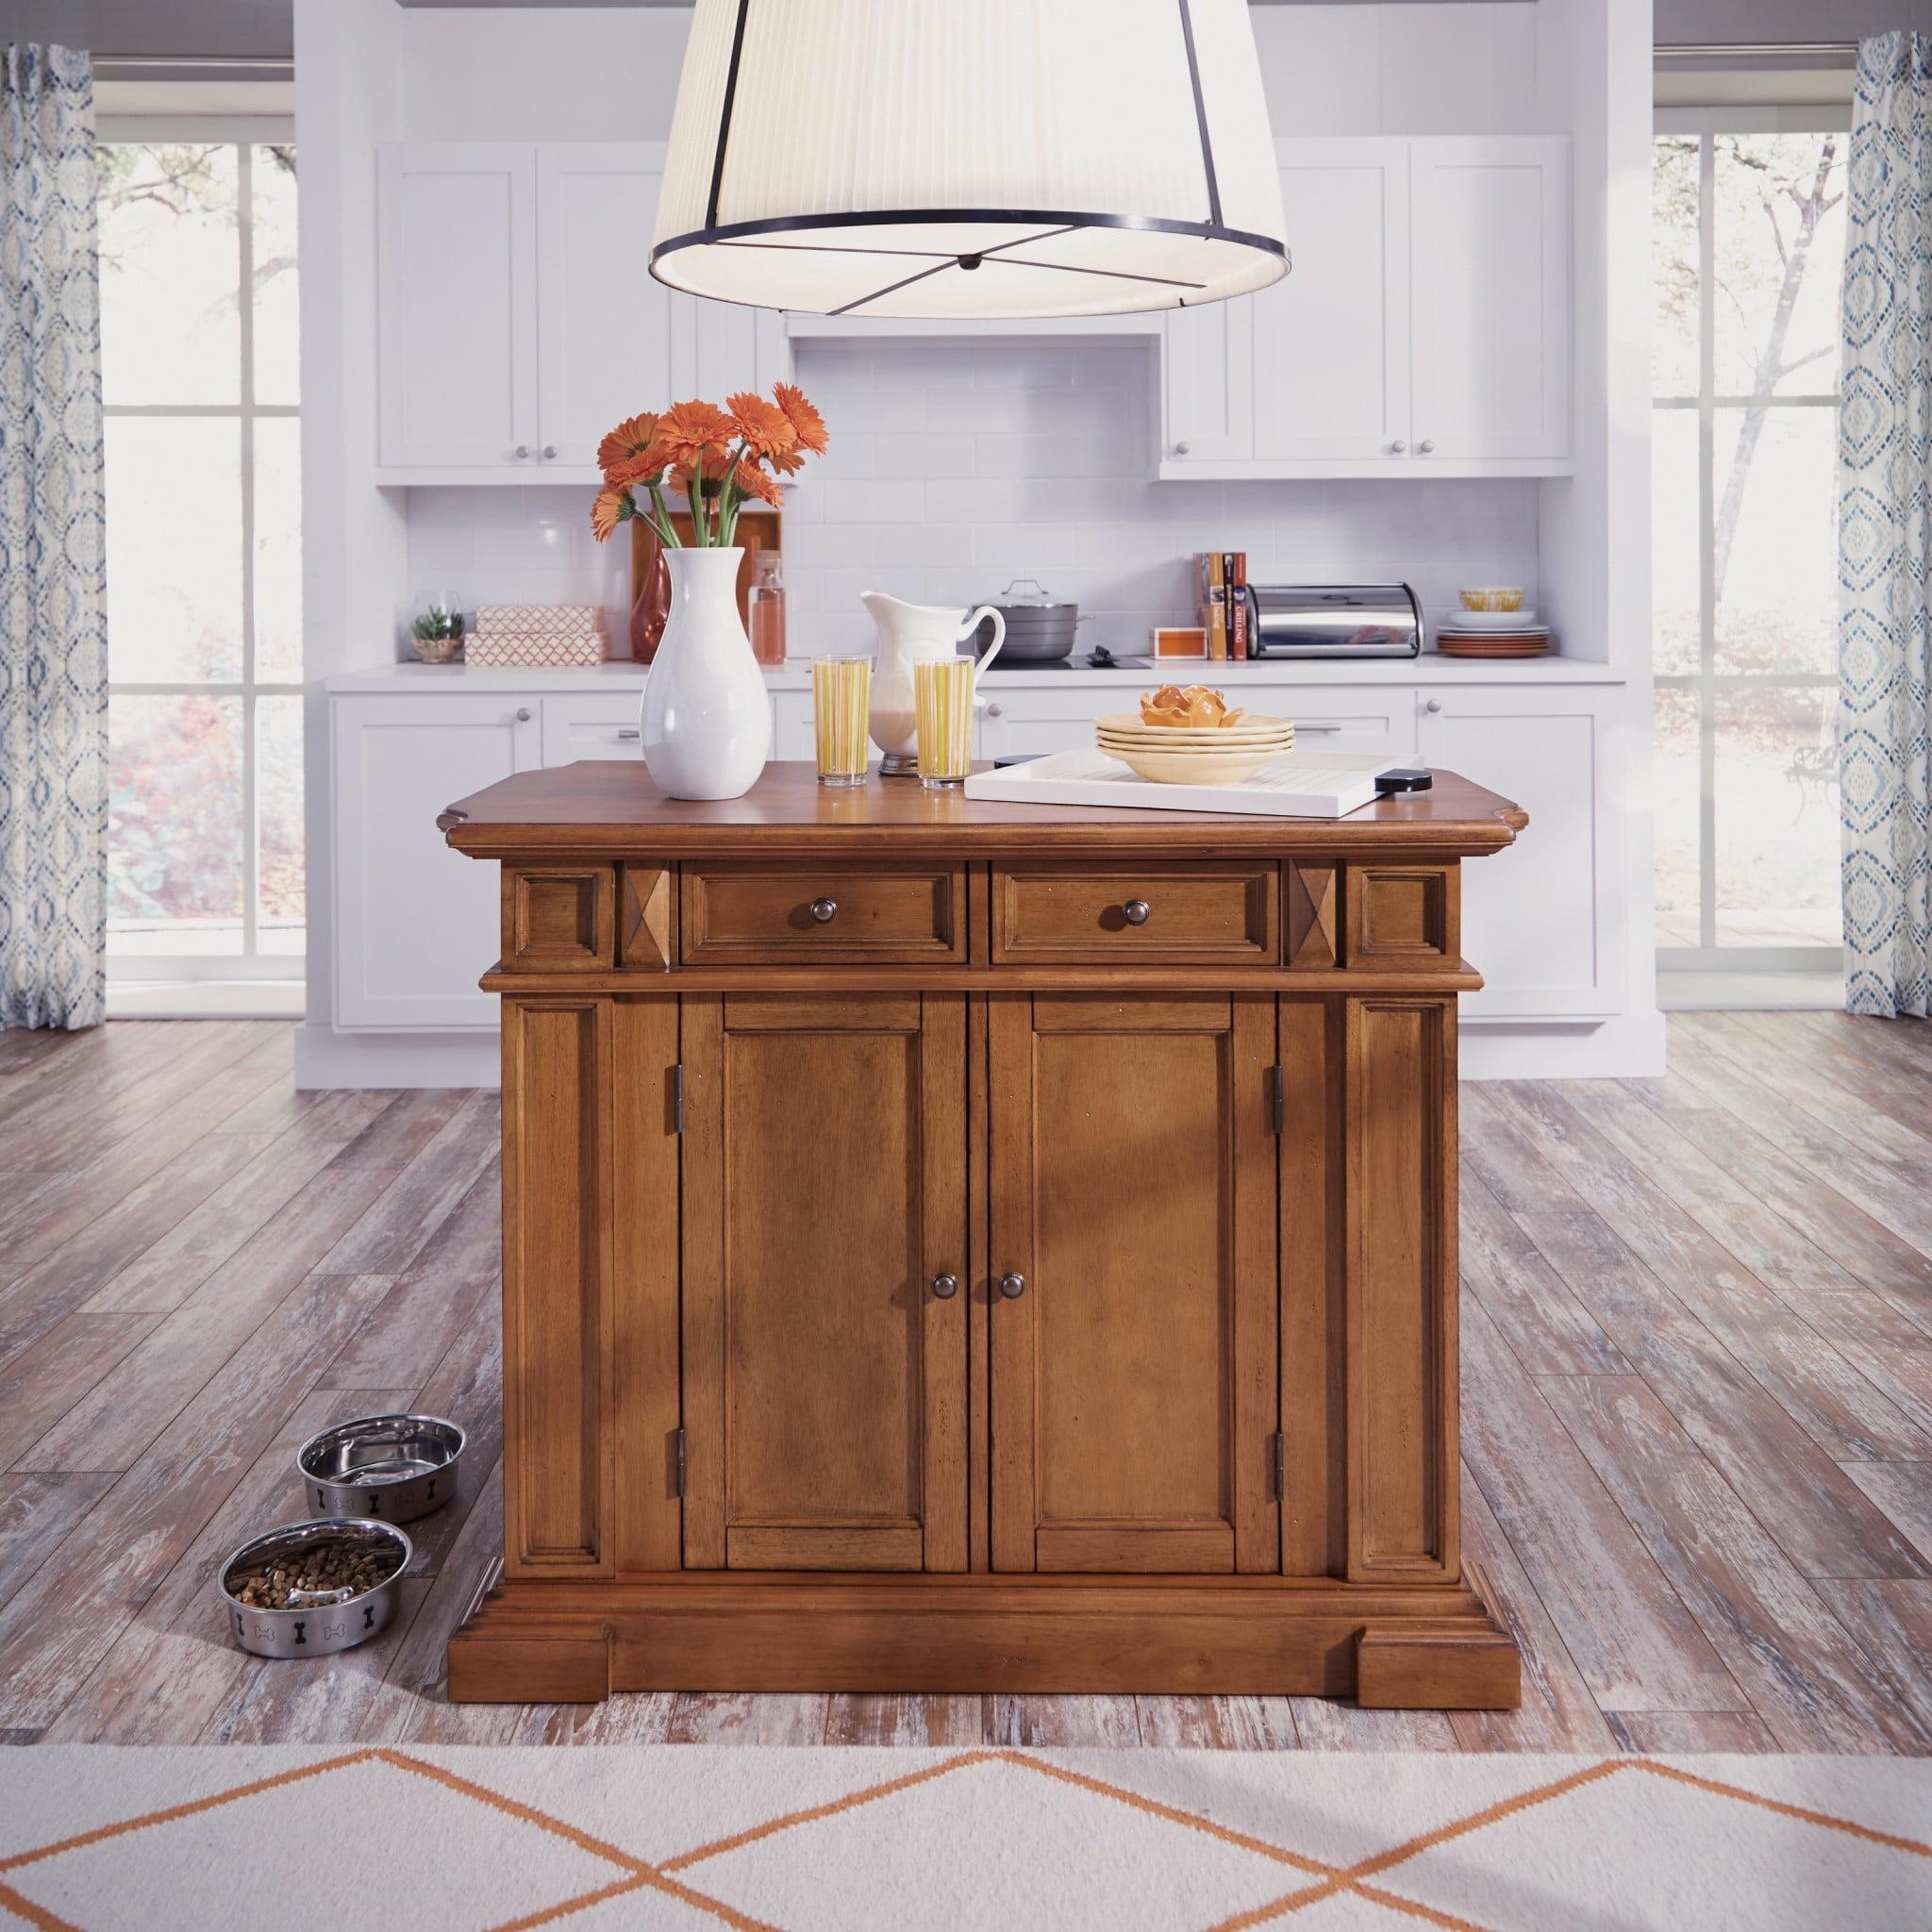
column 1401, row 672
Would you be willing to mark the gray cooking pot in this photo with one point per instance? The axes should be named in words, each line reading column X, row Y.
column 1038, row 629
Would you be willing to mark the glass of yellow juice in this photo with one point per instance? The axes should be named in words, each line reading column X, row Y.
column 942, row 697
column 840, row 696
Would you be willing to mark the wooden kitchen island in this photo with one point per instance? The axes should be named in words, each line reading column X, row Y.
column 965, row 1247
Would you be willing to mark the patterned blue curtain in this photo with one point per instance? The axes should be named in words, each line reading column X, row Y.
column 53, row 620
column 1885, row 531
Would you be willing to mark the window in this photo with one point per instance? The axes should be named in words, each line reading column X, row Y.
column 198, row 363
column 1749, row 252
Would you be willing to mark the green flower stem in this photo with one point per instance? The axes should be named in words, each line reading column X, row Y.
column 661, row 522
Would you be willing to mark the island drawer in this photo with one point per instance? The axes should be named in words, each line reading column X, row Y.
column 1195, row 914
column 768, row 915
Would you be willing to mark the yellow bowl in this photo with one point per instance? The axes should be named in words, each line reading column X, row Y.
column 1493, row 597
column 1187, row 768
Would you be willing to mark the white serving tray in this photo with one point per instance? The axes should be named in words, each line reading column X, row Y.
column 1301, row 785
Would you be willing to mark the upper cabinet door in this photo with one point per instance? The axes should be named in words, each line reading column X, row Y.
column 1490, row 249
column 826, row 1287
column 604, row 326
column 719, row 348
column 458, row 267
column 1207, row 355
column 1331, row 338
column 1133, row 1255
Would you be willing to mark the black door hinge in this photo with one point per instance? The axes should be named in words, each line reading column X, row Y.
column 1279, row 1090
column 1279, row 1444
column 680, row 1462
column 677, row 1098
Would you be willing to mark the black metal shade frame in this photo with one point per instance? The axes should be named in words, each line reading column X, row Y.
column 1052, row 222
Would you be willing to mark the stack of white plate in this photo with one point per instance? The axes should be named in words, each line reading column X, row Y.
column 1193, row 754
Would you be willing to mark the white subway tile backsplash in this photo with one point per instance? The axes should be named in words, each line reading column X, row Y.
column 957, row 467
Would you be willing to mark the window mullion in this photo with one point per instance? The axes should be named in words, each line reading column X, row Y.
column 251, row 842
column 1706, row 539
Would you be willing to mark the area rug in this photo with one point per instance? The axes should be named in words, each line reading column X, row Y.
column 675, row 1838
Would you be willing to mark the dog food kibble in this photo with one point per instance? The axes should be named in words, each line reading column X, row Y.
column 328, row 1575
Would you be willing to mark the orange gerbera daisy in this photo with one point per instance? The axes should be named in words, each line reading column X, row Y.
column 766, row 428
column 631, row 437
column 695, row 432
column 806, row 424
column 644, row 467
column 756, row 482
column 611, row 508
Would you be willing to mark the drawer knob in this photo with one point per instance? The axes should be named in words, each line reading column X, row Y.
column 1136, row 912
column 1012, row 1286
column 996, row 711
column 1181, row 449
column 522, row 714
column 1433, row 706
column 825, row 910
column 945, row 1286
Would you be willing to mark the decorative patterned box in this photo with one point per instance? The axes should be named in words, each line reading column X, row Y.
column 548, row 652
column 537, row 619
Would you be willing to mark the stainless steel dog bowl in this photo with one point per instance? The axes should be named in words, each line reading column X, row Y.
column 317, row 1629
column 396, row 1467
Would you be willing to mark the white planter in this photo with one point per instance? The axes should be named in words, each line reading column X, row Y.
column 707, row 721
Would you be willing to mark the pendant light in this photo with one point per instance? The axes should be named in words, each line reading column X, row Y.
column 965, row 159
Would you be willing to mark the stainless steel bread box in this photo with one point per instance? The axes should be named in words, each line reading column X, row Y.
column 1333, row 621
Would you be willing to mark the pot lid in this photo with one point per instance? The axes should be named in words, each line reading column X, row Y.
column 1024, row 597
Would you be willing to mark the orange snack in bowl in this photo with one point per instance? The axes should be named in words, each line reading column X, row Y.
column 1196, row 707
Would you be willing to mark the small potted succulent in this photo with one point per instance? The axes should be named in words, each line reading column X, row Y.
column 438, row 633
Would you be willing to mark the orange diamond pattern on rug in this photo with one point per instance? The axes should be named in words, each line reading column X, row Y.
column 979, row 1841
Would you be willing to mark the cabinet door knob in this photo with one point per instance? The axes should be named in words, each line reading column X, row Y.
column 996, row 711
column 522, row 714
column 523, row 450
column 1398, row 447
column 1180, row 449
column 1136, row 912
column 945, row 1286
column 1012, row 1286
column 549, row 451
column 825, row 910
column 1433, row 705
column 1426, row 445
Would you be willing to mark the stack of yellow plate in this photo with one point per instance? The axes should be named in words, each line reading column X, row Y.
column 1194, row 755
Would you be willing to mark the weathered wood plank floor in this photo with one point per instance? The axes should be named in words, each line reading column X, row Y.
column 1697, row 1372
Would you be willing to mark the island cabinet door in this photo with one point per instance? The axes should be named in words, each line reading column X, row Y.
column 825, row 1282
column 1133, row 1378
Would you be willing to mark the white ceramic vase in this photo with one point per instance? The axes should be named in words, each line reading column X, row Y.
column 706, row 722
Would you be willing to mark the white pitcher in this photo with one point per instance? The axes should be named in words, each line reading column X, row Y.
column 913, row 634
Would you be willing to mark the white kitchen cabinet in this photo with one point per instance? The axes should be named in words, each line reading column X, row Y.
column 519, row 316
column 603, row 726
column 1548, row 909
column 1424, row 328
column 414, row 919
column 1490, row 255
column 457, row 306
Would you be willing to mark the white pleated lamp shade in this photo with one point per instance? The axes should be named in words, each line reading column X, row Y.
column 969, row 158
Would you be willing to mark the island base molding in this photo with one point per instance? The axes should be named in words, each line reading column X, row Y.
column 1389, row 1646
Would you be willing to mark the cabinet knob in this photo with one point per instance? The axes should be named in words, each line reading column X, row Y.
column 1136, row 912
column 825, row 910
column 549, row 451
column 1012, row 1286
column 1426, row 445
column 523, row 450
column 996, row 711
column 1433, row 705
column 945, row 1286
column 1398, row 447
column 522, row 714
column 1180, row 449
